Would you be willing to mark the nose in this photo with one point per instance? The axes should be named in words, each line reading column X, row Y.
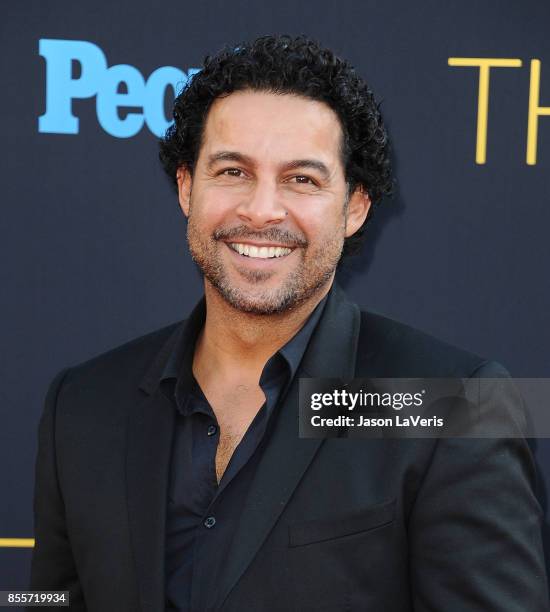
column 262, row 206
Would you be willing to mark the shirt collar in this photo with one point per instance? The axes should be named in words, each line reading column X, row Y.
column 178, row 366
column 183, row 349
column 294, row 349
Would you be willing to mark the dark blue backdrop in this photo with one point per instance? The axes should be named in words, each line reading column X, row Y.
column 93, row 246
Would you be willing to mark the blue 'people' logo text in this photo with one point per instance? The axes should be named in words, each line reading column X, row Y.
column 96, row 79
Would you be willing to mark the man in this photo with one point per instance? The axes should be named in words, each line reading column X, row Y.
column 170, row 474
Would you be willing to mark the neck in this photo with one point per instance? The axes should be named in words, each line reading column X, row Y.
column 233, row 340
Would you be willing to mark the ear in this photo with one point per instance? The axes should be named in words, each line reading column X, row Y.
column 358, row 208
column 184, row 179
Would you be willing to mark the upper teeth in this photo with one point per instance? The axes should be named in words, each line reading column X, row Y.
column 261, row 252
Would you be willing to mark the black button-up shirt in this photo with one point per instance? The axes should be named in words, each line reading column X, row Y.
column 202, row 515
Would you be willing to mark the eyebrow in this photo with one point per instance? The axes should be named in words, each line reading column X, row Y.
column 295, row 164
column 314, row 164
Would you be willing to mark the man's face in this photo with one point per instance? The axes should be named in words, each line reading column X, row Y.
column 267, row 203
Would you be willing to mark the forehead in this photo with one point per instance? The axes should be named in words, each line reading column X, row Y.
column 273, row 127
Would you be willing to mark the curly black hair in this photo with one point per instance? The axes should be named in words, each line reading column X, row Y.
column 291, row 65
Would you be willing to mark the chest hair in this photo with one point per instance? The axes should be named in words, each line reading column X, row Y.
column 235, row 410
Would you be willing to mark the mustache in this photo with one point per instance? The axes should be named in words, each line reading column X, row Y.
column 272, row 234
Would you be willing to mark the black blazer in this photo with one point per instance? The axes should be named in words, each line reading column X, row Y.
column 376, row 525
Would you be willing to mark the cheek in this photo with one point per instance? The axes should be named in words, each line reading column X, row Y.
column 320, row 224
column 211, row 208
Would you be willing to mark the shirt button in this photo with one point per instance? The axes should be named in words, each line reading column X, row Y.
column 209, row 522
column 211, row 430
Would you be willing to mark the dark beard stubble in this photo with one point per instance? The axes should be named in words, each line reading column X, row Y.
column 300, row 284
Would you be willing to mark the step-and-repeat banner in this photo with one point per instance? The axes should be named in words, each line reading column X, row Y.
column 92, row 242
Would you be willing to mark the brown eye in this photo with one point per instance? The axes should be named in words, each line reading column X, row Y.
column 303, row 180
column 232, row 172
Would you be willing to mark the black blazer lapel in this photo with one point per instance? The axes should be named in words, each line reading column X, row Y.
column 150, row 430
column 331, row 353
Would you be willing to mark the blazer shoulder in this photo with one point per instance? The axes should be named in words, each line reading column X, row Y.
column 126, row 363
column 398, row 349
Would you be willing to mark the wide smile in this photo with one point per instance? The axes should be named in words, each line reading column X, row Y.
column 253, row 251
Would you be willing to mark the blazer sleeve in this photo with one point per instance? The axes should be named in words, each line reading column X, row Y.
column 475, row 527
column 53, row 566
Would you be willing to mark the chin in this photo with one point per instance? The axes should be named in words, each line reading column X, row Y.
column 250, row 304
column 264, row 302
